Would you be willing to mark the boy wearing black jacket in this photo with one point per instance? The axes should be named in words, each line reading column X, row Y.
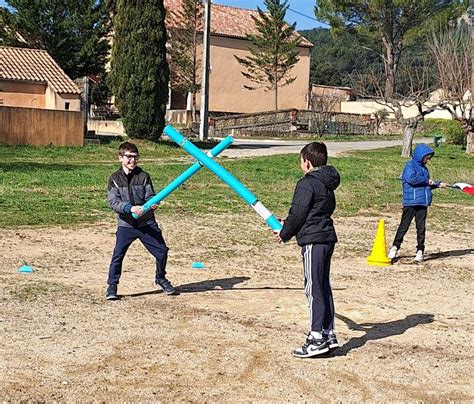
column 129, row 188
column 309, row 219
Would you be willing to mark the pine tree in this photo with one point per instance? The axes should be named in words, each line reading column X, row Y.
column 140, row 71
column 273, row 52
column 393, row 23
column 73, row 32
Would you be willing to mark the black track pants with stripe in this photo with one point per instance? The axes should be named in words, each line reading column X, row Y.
column 317, row 287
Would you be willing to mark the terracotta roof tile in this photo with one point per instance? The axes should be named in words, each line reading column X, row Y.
column 34, row 65
column 226, row 20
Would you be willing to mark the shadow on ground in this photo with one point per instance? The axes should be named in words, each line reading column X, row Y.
column 214, row 284
column 433, row 256
column 376, row 331
column 452, row 253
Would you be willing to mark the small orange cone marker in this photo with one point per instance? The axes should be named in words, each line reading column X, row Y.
column 379, row 257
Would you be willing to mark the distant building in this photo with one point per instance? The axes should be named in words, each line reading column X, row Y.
column 329, row 98
column 30, row 78
column 227, row 92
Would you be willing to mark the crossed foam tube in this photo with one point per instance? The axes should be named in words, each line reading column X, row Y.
column 222, row 145
column 225, row 176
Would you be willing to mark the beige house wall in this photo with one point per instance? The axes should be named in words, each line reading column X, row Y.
column 16, row 94
column 50, row 98
column 370, row 107
column 226, row 83
column 33, row 95
column 74, row 101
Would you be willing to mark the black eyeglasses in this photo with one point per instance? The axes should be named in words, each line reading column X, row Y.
column 131, row 156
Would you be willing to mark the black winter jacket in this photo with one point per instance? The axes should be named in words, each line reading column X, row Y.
column 125, row 191
column 309, row 218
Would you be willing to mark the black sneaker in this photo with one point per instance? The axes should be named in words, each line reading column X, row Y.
column 111, row 293
column 332, row 341
column 312, row 347
column 167, row 287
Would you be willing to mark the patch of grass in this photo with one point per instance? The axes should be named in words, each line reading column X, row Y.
column 33, row 291
column 52, row 185
column 371, row 179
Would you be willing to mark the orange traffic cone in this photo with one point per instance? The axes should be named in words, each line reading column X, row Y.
column 379, row 251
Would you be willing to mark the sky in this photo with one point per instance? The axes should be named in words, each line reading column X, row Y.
column 300, row 11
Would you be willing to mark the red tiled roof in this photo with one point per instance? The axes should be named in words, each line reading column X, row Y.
column 226, row 20
column 34, row 65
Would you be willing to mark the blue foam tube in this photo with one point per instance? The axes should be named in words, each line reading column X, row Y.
column 225, row 176
column 222, row 145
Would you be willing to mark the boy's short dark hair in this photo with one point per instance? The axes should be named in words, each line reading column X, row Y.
column 127, row 147
column 316, row 153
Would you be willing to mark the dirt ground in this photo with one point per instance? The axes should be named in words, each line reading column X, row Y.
column 405, row 330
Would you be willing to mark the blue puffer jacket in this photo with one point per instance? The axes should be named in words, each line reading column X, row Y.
column 415, row 179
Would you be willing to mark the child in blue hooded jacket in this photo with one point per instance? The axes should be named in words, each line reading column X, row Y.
column 416, row 186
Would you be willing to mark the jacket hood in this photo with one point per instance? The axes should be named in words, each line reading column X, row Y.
column 328, row 175
column 421, row 151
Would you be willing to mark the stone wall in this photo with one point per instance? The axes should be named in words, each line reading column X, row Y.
column 291, row 122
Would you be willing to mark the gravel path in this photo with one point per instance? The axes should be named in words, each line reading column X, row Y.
column 263, row 147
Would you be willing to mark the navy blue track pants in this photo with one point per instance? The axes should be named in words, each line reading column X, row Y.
column 317, row 287
column 151, row 238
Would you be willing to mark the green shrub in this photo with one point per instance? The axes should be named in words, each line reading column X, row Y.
column 451, row 130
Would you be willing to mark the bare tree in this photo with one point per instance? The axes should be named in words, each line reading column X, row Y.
column 393, row 23
column 324, row 106
column 380, row 116
column 414, row 89
column 452, row 53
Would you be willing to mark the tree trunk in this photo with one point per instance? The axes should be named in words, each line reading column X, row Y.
column 408, row 133
column 469, row 143
column 276, row 98
column 389, row 64
column 193, row 105
column 389, row 83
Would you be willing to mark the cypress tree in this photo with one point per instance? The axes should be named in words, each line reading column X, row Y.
column 140, row 71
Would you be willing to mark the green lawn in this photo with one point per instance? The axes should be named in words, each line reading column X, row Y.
column 51, row 185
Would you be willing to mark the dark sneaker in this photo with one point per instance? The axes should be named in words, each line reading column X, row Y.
column 312, row 347
column 111, row 293
column 166, row 285
column 332, row 342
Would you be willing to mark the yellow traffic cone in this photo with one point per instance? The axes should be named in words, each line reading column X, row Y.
column 379, row 251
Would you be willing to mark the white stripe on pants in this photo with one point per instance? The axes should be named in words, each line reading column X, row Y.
column 317, row 263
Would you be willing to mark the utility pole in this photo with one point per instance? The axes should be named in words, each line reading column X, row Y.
column 204, row 124
column 86, row 104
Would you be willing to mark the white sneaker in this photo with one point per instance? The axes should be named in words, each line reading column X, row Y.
column 392, row 253
column 419, row 256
